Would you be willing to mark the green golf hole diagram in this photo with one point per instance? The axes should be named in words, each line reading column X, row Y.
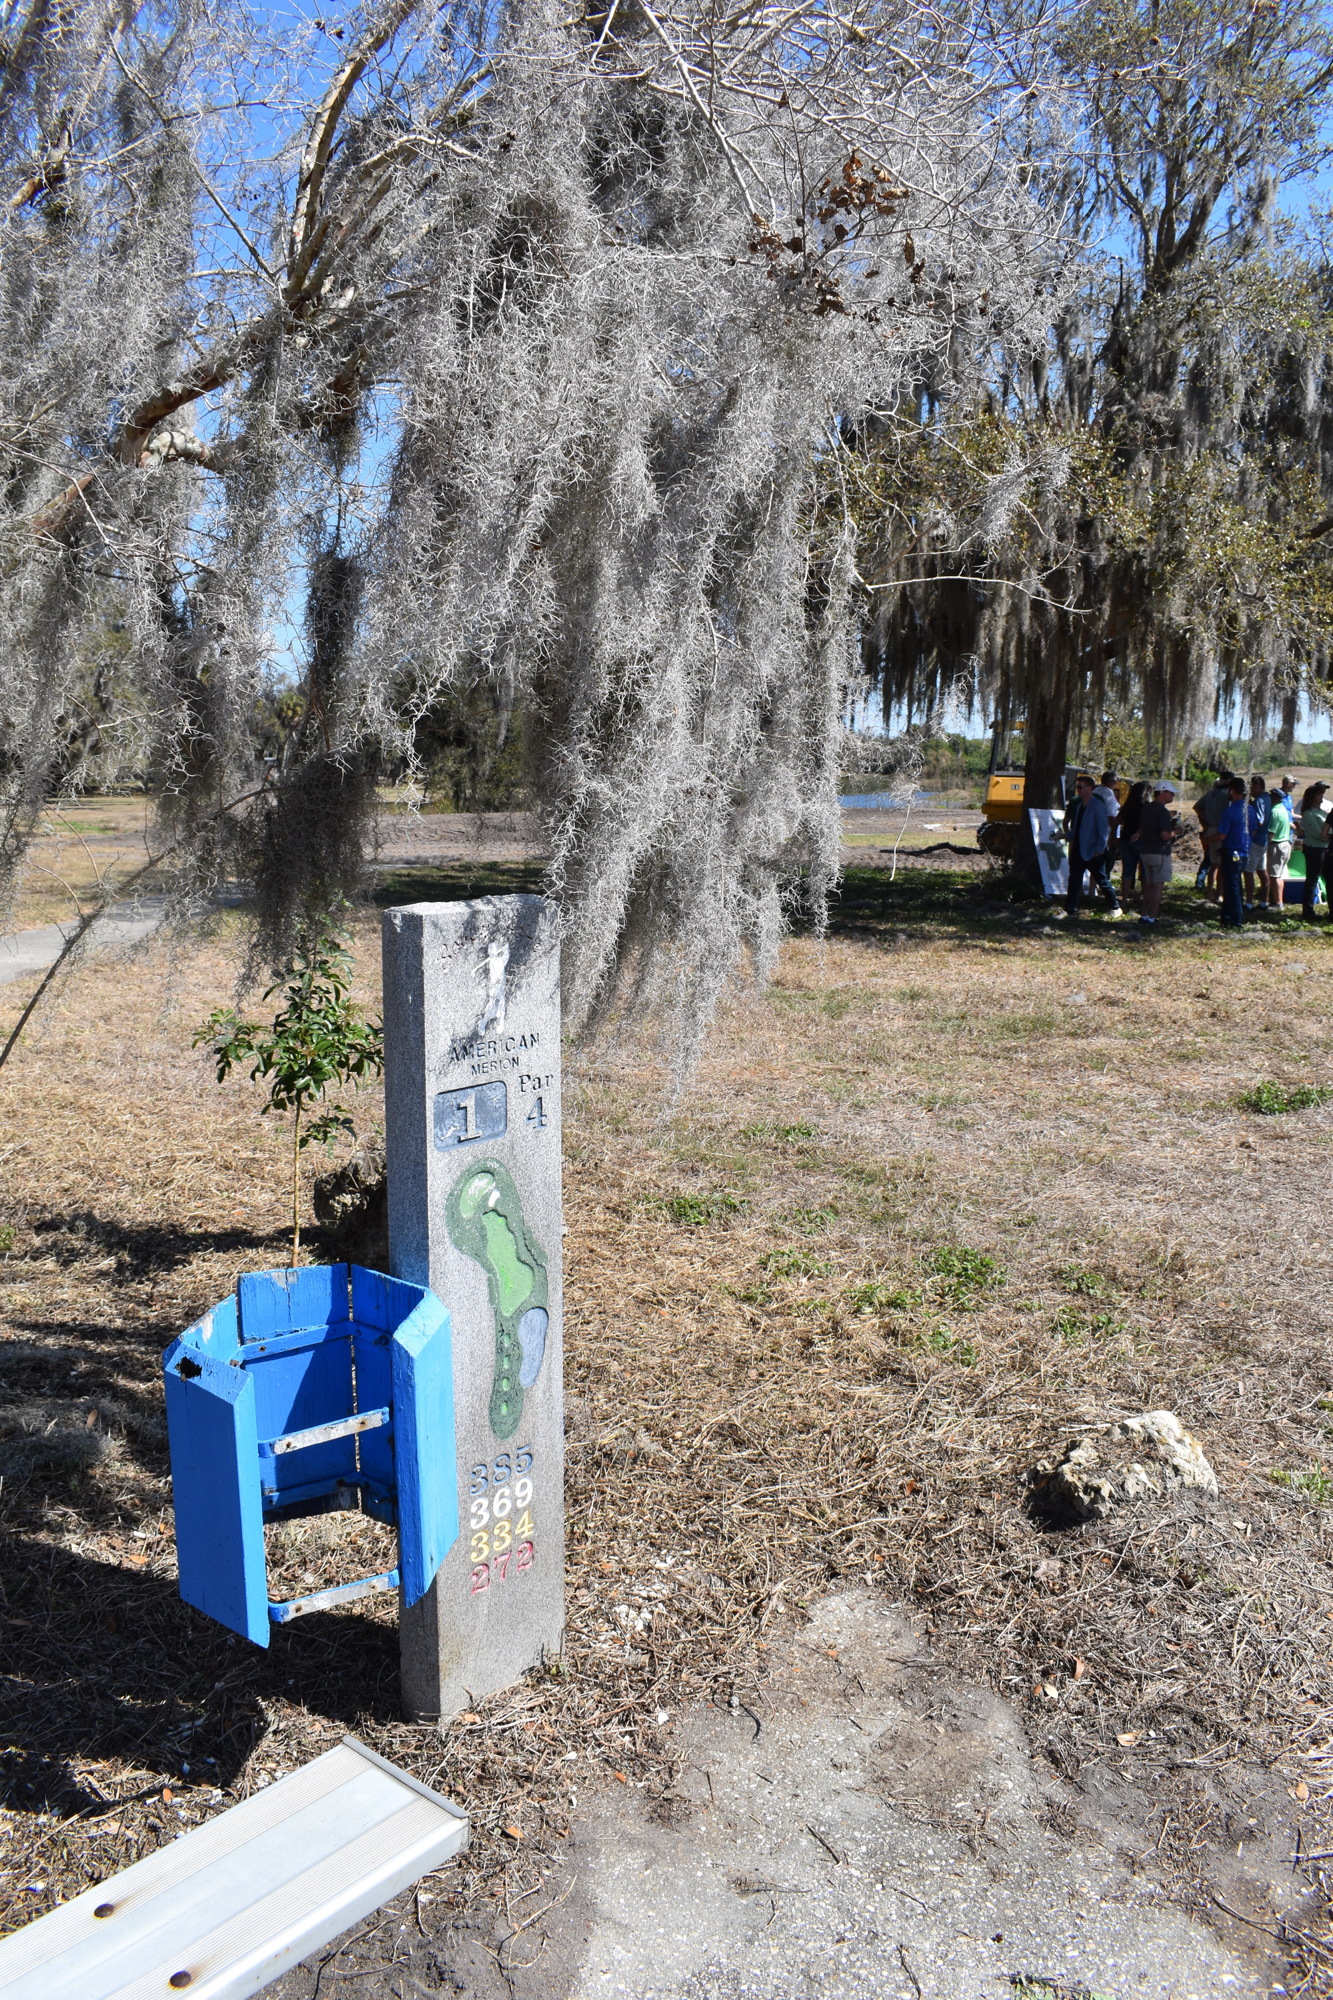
column 486, row 1222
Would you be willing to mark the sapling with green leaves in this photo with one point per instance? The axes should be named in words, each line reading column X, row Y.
column 318, row 1042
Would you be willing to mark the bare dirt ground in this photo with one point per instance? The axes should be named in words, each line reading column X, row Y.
column 956, row 1184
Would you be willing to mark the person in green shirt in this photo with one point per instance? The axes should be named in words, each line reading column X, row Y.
column 1279, row 845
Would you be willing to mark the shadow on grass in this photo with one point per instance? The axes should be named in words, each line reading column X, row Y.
column 105, row 1662
column 141, row 1250
column 947, row 904
column 454, row 881
column 966, row 908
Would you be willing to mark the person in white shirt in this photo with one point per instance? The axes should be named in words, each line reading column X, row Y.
column 1106, row 792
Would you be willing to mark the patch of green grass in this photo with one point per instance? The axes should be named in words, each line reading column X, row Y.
column 1271, row 1099
column 796, row 1264
column 696, row 1209
column 966, row 1273
column 1316, row 1482
column 785, row 1135
column 1071, row 1325
column 812, row 1221
column 950, row 1346
column 7, row 1236
column 876, row 1296
column 1026, row 1027
column 1090, row 1284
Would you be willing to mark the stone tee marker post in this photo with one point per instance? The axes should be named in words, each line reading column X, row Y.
column 472, row 1118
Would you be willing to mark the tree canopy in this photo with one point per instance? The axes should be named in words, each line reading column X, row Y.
column 1158, row 474
column 486, row 346
column 655, row 369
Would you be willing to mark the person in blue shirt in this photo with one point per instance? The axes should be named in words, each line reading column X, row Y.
column 1089, row 840
column 1256, row 863
column 1233, row 851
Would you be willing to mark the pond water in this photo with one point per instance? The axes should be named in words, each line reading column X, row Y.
column 883, row 801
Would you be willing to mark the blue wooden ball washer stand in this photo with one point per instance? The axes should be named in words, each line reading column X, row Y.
column 310, row 1390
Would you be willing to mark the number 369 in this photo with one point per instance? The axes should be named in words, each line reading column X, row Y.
column 499, row 1504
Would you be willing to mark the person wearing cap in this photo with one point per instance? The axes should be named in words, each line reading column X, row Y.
column 1256, row 859
column 1279, row 845
column 1233, row 851
column 1159, row 829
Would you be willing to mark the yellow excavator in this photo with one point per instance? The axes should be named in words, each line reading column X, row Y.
column 1003, row 804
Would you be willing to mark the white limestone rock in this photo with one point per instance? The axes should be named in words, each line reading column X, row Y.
column 1114, row 1465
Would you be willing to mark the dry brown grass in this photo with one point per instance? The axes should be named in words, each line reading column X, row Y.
column 782, row 1374
column 79, row 845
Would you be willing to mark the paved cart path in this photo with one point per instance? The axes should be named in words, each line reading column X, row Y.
column 23, row 952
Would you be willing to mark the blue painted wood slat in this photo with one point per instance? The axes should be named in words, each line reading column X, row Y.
column 283, row 1301
column 214, row 1459
column 424, row 1451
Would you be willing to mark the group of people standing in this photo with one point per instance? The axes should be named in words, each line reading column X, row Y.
column 1140, row 834
column 1248, row 832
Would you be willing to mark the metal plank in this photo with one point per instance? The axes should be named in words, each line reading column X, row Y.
column 330, row 1599
column 367, row 1420
column 229, row 1906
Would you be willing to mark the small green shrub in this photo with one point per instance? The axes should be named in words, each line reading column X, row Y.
column 317, row 1042
column 966, row 1272
column 696, row 1209
column 1316, row 1482
column 1091, row 1284
column 1271, row 1099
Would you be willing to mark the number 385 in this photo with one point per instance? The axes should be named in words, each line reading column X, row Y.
column 500, row 1470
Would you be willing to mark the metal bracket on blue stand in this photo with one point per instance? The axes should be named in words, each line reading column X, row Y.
column 313, row 1389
